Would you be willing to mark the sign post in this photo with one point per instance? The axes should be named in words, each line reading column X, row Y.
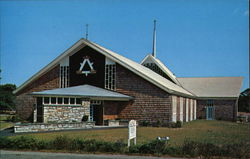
column 131, row 131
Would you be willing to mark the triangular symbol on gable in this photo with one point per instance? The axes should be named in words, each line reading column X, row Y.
column 86, row 63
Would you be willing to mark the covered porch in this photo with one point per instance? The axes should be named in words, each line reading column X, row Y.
column 84, row 103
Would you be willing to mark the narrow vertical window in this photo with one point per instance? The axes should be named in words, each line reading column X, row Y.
column 64, row 76
column 110, row 76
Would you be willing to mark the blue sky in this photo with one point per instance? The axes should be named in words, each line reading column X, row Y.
column 195, row 38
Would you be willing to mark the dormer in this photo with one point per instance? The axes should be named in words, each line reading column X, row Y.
column 157, row 66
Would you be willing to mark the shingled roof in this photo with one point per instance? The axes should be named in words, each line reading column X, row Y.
column 135, row 67
column 209, row 87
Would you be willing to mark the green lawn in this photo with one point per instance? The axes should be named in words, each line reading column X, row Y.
column 3, row 123
column 217, row 132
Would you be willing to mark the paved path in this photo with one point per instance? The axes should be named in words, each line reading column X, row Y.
column 45, row 155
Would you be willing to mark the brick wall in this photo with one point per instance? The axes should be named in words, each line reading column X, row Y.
column 113, row 109
column 25, row 102
column 224, row 109
column 150, row 103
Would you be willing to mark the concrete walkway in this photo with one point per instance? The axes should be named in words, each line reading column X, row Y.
column 45, row 155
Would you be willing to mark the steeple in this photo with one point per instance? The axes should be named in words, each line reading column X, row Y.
column 154, row 40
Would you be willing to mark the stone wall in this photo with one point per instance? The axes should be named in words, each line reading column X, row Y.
column 25, row 102
column 62, row 114
column 150, row 102
column 38, row 127
column 225, row 109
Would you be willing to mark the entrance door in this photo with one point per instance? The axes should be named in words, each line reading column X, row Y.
column 39, row 109
column 96, row 114
column 210, row 112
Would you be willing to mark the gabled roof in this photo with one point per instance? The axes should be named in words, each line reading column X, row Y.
column 86, row 91
column 135, row 67
column 151, row 59
column 228, row 87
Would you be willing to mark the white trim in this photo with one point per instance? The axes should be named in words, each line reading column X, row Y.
column 187, row 105
column 191, row 109
column 174, row 108
column 195, row 107
column 181, row 109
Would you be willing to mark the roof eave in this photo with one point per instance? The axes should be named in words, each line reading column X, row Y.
column 105, row 98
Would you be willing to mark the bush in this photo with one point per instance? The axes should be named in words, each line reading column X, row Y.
column 62, row 142
column 158, row 147
column 4, row 142
column 23, row 142
column 169, row 124
column 178, row 124
column 155, row 146
column 85, row 118
column 156, row 123
column 145, row 123
column 14, row 118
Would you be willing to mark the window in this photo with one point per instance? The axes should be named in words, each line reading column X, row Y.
column 158, row 70
column 53, row 100
column 61, row 101
column 210, row 102
column 78, row 101
column 65, row 100
column 46, row 100
column 110, row 75
column 72, row 100
column 64, row 76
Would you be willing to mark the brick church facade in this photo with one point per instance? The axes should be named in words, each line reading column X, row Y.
column 88, row 80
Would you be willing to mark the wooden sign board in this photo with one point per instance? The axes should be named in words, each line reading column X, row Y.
column 131, row 131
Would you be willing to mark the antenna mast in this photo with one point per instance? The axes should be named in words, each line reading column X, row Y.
column 154, row 40
column 87, row 31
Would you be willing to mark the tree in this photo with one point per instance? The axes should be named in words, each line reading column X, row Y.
column 7, row 98
column 244, row 101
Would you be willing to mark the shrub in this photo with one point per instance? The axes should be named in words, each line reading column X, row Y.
column 169, row 124
column 145, row 123
column 85, row 118
column 14, row 118
column 4, row 142
column 23, row 142
column 155, row 146
column 62, row 142
column 178, row 124
column 190, row 148
column 156, row 123
column 134, row 149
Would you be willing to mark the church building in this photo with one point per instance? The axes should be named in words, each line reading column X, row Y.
column 90, row 81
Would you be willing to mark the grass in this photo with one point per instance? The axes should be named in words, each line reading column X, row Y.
column 3, row 122
column 216, row 132
column 5, row 125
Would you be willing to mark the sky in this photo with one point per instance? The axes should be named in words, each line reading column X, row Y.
column 195, row 38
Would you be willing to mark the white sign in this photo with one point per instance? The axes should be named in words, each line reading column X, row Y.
column 131, row 131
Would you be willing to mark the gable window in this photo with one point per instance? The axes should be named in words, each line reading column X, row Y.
column 110, row 76
column 64, row 76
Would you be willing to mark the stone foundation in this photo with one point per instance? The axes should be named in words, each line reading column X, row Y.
column 37, row 127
